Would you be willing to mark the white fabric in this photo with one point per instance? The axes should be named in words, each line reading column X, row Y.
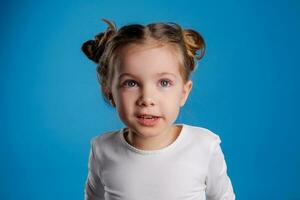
column 191, row 168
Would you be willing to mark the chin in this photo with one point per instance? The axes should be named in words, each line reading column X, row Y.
column 148, row 131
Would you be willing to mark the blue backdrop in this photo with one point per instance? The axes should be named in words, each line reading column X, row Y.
column 246, row 89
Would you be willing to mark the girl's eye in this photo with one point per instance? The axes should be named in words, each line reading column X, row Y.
column 165, row 82
column 129, row 83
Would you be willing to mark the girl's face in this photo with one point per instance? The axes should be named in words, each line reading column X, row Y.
column 148, row 89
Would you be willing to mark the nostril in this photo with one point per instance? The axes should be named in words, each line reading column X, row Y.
column 145, row 102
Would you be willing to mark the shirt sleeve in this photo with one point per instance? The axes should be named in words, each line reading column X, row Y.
column 218, row 183
column 94, row 189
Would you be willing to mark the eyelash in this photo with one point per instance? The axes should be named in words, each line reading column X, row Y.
column 125, row 83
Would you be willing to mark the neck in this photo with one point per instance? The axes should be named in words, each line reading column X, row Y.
column 153, row 143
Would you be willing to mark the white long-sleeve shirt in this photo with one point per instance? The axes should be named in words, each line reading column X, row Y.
column 191, row 168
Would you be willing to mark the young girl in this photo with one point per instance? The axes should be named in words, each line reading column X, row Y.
column 144, row 73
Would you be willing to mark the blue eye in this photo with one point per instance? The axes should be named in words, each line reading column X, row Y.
column 129, row 83
column 165, row 82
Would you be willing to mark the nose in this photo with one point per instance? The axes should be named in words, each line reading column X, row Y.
column 147, row 96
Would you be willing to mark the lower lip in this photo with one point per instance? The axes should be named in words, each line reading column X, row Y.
column 148, row 122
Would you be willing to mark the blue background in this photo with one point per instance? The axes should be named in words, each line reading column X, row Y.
column 246, row 89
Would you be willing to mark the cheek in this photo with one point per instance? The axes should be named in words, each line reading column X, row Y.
column 173, row 97
column 170, row 110
column 125, row 98
column 171, row 103
column 124, row 105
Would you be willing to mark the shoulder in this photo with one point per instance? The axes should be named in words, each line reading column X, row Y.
column 104, row 140
column 205, row 134
column 202, row 137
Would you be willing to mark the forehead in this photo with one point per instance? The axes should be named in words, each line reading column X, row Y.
column 149, row 58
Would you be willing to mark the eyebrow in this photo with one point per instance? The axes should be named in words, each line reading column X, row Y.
column 157, row 74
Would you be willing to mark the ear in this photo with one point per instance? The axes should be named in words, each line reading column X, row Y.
column 186, row 91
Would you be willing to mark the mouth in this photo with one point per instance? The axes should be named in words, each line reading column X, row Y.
column 148, row 120
column 146, row 116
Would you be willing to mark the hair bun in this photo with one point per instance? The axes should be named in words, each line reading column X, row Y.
column 89, row 48
column 94, row 49
column 194, row 42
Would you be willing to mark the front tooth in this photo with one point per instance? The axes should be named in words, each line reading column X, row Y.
column 148, row 117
